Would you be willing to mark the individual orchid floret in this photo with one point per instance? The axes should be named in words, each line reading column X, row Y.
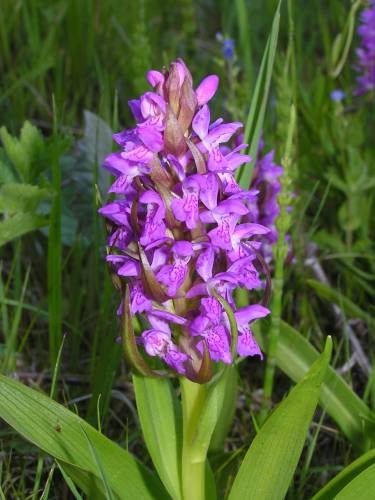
column 366, row 52
column 183, row 235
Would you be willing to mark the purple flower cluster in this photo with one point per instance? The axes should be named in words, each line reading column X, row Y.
column 366, row 53
column 181, row 230
column 266, row 182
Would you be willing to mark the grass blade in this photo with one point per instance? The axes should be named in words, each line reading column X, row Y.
column 47, row 486
column 350, row 472
column 362, row 486
column 107, row 489
column 69, row 482
column 351, row 309
column 54, row 258
column 258, row 105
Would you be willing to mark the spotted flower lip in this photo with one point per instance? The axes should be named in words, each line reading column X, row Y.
column 181, row 230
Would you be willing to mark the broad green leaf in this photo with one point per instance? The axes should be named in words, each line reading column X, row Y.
column 18, row 225
column 103, row 477
column 160, row 415
column 269, row 464
column 294, row 357
column 59, row 432
column 362, row 487
column 259, row 101
column 338, row 298
column 16, row 197
column 346, row 476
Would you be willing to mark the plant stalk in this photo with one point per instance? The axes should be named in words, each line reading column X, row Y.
column 193, row 398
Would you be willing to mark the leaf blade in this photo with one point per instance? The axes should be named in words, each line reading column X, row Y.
column 160, row 416
column 294, row 356
column 58, row 432
column 278, row 445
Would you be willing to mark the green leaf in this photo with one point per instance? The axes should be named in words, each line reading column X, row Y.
column 269, row 464
column 59, row 432
column 294, row 357
column 15, row 197
column 347, row 475
column 103, row 477
column 6, row 172
column 160, row 415
column 362, row 487
column 350, row 309
column 259, row 100
column 18, row 225
column 25, row 151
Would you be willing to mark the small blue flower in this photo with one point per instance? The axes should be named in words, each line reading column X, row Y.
column 337, row 95
column 228, row 48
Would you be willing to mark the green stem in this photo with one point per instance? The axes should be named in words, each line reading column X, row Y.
column 193, row 471
column 280, row 253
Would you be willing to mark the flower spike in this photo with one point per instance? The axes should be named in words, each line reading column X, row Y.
column 183, row 236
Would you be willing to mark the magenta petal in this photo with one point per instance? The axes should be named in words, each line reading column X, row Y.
column 218, row 343
column 175, row 359
column 168, row 316
column 201, row 122
column 209, row 188
column 116, row 164
column 159, row 324
column 249, row 313
column 151, row 138
column 135, row 107
column 205, row 263
column 138, row 300
column 130, row 268
column 152, row 197
column 116, row 212
column 155, row 77
column 247, row 230
column 246, row 344
column 206, row 89
column 172, row 276
column 155, row 342
column 195, row 290
column 217, row 161
column 231, row 207
column 183, row 248
column 222, row 133
column 122, row 185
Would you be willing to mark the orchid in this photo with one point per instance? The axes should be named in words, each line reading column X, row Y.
column 366, row 52
column 266, row 180
column 182, row 233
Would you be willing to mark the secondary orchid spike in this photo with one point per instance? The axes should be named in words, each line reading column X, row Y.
column 366, row 52
column 181, row 229
column 266, row 180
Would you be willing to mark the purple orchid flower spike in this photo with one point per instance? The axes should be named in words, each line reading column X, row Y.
column 366, row 52
column 182, row 232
